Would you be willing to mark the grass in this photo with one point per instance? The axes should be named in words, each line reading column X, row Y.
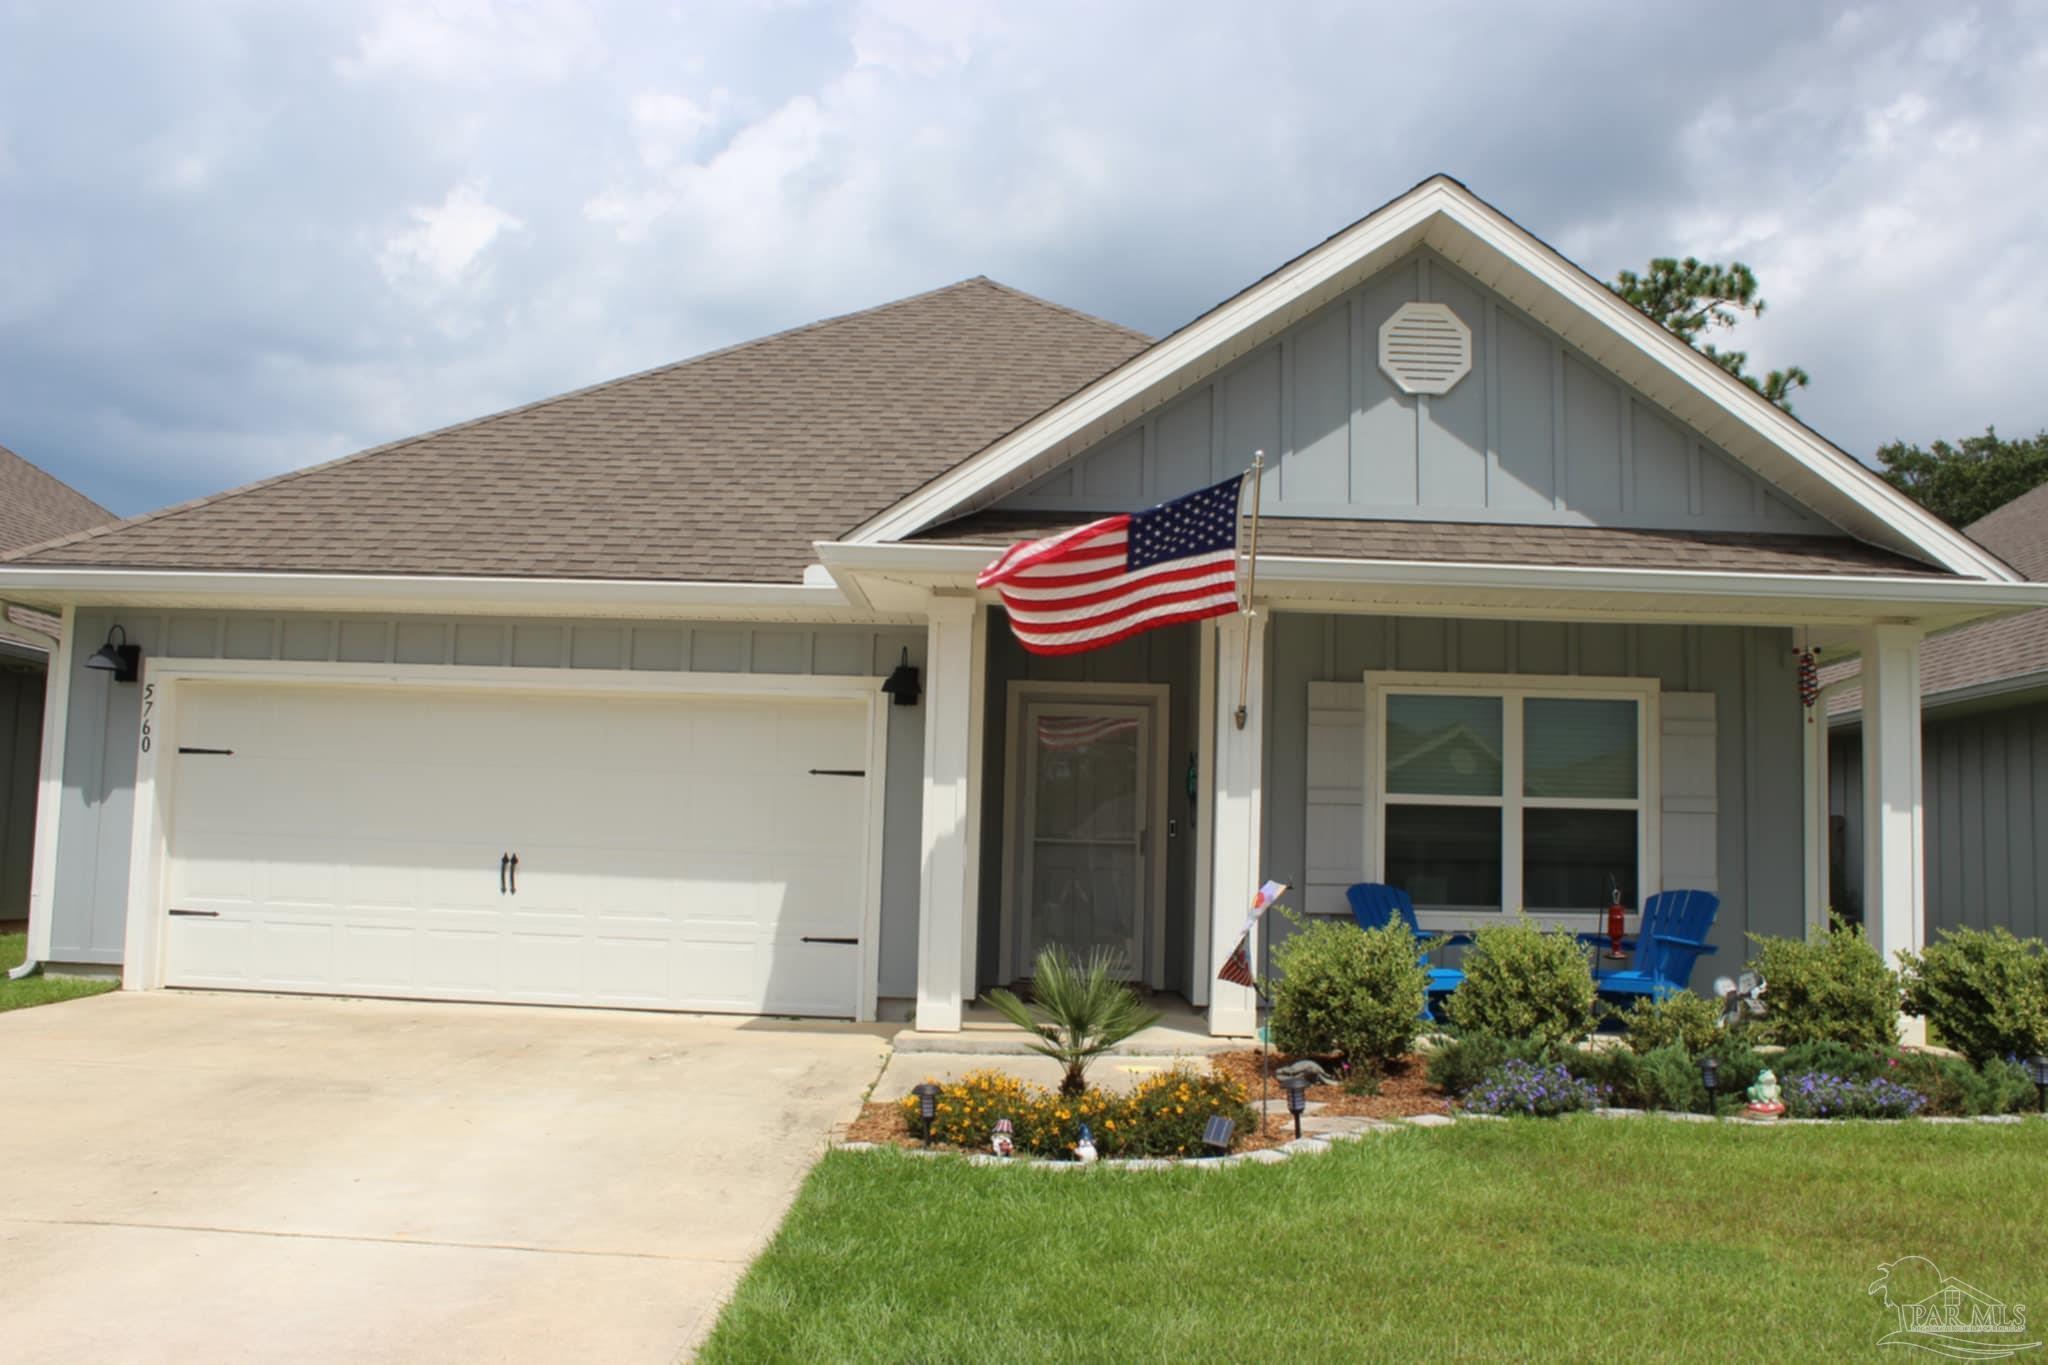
column 38, row 990
column 1525, row 1239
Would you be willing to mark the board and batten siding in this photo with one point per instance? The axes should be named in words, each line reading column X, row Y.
column 100, row 744
column 1729, row 766
column 1536, row 433
column 21, row 748
column 1985, row 779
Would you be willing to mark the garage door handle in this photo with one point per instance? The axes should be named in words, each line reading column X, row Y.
column 198, row 914
column 515, row 874
column 504, row 861
column 808, row 938
column 839, row 772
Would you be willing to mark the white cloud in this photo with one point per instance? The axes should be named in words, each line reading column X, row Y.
column 475, row 42
column 445, row 242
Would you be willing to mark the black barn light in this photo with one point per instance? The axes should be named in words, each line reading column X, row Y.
column 903, row 685
column 124, row 660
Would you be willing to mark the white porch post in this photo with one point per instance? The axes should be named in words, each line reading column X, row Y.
column 946, row 891
column 1894, row 860
column 1236, row 819
column 42, row 877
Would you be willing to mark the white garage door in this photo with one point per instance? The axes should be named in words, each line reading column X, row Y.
column 672, row 853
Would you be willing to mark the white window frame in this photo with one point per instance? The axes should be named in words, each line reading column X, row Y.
column 1511, row 690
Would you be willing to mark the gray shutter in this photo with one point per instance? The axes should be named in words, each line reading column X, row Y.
column 1336, row 795
column 1690, row 801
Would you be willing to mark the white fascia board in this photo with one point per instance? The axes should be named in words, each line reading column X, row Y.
column 1422, row 214
column 58, row 587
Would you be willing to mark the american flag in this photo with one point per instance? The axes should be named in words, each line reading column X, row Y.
column 1237, row 968
column 1136, row 571
column 1078, row 732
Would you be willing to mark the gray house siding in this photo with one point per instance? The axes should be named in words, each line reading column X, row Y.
column 1750, row 673
column 1161, row 656
column 1985, row 775
column 100, row 746
column 1537, row 432
column 21, row 747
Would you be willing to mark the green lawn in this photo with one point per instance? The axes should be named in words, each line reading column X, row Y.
column 1525, row 1239
column 38, row 990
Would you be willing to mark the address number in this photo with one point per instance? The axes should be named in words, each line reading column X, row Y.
column 148, row 711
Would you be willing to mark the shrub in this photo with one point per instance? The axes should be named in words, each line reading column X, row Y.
column 967, row 1109
column 1524, row 982
column 1517, row 1087
column 1165, row 1115
column 1818, row 1095
column 1984, row 992
column 1079, row 1010
column 1832, row 989
column 1836, row 1059
column 1350, row 990
column 1739, row 1063
column 1952, row 1086
column 1614, row 1071
column 1669, row 1078
column 1460, row 1063
column 1692, row 1021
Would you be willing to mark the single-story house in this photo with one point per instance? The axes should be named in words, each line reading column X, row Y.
column 1984, row 740
column 583, row 703
column 34, row 507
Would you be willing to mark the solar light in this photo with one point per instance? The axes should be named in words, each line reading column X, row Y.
column 2037, row 1067
column 903, row 685
column 124, row 660
column 1297, row 1098
column 1710, row 1077
column 927, row 1106
column 1216, row 1137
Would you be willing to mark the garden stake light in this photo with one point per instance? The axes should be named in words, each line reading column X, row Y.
column 1297, row 1098
column 2037, row 1067
column 927, row 1106
column 1710, row 1077
column 1216, row 1137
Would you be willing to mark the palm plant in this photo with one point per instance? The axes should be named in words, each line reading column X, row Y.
column 1078, row 1010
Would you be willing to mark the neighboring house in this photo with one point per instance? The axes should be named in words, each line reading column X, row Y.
column 1984, row 738
column 582, row 703
column 33, row 508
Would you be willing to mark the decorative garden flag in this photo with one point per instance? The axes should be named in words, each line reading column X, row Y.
column 1136, row 571
column 1237, row 968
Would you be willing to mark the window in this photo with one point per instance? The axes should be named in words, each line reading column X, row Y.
column 1518, row 792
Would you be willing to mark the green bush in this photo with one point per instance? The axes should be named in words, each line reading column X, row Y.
column 1669, row 1078
column 1833, row 989
column 1692, row 1021
column 1833, row 1059
column 1343, row 989
column 1165, row 1114
column 1079, row 1010
column 1740, row 1063
column 1524, row 982
column 1614, row 1070
column 1985, row 993
column 1460, row 1063
column 1952, row 1086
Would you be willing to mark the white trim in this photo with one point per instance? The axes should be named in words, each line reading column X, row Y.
column 1894, row 850
column 156, row 766
column 50, row 791
column 1154, row 701
column 1448, row 216
column 1237, row 813
column 1203, row 813
column 1512, row 689
column 946, row 900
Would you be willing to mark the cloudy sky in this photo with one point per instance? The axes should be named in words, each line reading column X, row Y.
column 239, row 237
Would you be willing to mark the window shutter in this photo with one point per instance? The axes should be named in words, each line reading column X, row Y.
column 1336, row 795
column 1690, row 800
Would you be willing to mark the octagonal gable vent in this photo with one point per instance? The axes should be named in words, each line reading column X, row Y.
column 1425, row 348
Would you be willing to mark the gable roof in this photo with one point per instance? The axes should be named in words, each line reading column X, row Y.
column 36, row 506
column 722, row 468
column 1442, row 214
column 1989, row 655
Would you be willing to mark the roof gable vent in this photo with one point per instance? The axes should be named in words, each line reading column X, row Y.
column 1425, row 348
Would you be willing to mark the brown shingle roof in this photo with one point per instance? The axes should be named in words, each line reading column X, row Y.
column 35, row 507
column 1466, row 543
column 722, row 468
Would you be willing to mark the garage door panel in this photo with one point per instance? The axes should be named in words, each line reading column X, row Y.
column 674, row 853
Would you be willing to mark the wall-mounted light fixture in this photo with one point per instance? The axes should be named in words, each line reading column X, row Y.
column 903, row 684
column 124, row 660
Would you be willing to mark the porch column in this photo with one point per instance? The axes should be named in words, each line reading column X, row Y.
column 1236, row 823
column 946, row 890
column 42, row 877
column 1894, row 860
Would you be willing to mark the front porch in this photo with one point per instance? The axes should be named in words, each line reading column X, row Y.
column 1697, row 768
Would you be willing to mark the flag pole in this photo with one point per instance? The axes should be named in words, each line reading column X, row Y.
column 1244, row 679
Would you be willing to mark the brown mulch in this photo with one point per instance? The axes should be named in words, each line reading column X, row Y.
column 1404, row 1091
column 883, row 1125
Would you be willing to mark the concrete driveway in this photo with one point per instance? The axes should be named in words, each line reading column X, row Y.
column 222, row 1177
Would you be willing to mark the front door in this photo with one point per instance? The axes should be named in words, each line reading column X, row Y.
column 1084, row 835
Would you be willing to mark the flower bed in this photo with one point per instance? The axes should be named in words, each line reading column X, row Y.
column 1163, row 1116
column 1403, row 1092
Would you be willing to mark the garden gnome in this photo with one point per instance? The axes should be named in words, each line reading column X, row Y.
column 1084, row 1150
column 1763, row 1097
column 1003, row 1141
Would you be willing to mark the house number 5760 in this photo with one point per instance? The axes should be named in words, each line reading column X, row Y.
column 148, row 708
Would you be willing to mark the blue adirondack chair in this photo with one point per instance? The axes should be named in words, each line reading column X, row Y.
column 1670, row 938
column 1374, row 904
